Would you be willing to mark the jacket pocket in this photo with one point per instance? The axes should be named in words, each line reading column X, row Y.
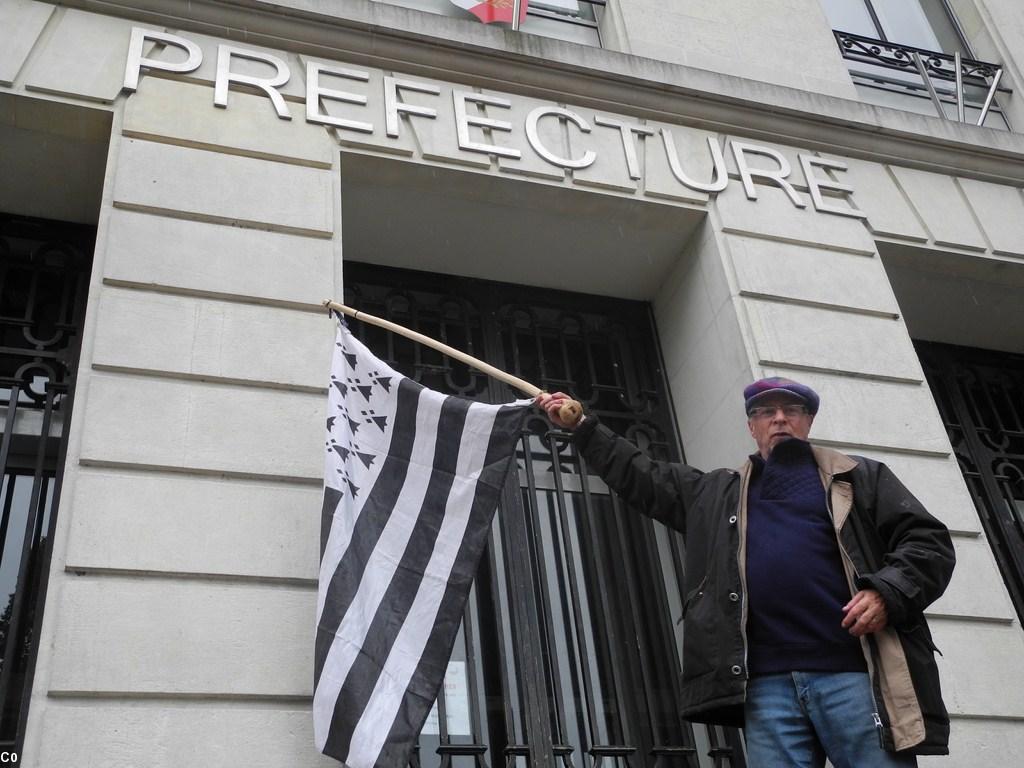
column 701, row 646
column 924, row 636
column 692, row 596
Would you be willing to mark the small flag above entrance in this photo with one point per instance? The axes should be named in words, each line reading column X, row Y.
column 411, row 481
column 493, row 10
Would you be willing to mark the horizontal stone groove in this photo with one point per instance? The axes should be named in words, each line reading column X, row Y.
column 174, row 697
column 960, row 619
column 957, row 534
column 776, row 299
column 930, row 245
column 842, row 372
column 210, row 379
column 733, row 230
column 227, row 221
column 974, row 250
column 85, row 461
column 235, row 298
column 219, row 578
column 973, row 619
column 296, row 583
column 796, row 183
column 223, row 149
column 840, row 444
column 968, row 716
column 915, row 240
column 150, row 698
column 193, row 79
column 92, row 100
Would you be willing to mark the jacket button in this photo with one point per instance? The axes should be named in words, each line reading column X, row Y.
column 737, row 669
column 734, row 597
column 732, row 520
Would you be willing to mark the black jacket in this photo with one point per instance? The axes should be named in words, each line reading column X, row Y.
column 888, row 542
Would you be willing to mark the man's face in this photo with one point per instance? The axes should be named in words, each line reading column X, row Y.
column 770, row 423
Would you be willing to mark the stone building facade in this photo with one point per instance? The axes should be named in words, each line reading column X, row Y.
column 725, row 172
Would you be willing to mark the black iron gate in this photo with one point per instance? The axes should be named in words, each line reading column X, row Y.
column 980, row 395
column 44, row 276
column 568, row 654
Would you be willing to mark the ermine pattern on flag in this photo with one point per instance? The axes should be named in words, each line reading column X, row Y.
column 411, row 481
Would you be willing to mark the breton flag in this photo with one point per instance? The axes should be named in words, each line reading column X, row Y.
column 411, row 481
column 493, row 10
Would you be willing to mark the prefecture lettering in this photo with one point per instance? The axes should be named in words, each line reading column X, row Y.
column 468, row 110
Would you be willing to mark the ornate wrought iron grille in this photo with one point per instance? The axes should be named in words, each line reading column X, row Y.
column 942, row 77
column 568, row 653
column 980, row 395
column 44, row 274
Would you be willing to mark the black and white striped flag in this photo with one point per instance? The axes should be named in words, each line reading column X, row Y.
column 411, row 481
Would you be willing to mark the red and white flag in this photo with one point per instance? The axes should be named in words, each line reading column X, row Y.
column 493, row 10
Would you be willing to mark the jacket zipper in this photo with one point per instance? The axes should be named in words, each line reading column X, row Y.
column 741, row 555
column 879, row 725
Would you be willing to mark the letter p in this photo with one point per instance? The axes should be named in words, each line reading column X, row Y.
column 136, row 61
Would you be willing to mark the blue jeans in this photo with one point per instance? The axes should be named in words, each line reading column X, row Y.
column 800, row 718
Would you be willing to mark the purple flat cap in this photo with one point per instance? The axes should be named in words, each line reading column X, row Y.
column 779, row 385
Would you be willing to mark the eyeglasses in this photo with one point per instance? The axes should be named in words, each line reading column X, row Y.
column 768, row 411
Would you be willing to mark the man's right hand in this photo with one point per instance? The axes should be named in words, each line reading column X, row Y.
column 551, row 404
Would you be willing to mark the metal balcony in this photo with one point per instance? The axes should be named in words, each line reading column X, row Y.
column 958, row 87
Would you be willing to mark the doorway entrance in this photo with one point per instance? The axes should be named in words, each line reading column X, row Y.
column 569, row 650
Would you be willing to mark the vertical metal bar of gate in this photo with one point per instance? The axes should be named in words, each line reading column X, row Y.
column 548, row 617
column 525, row 626
column 687, row 750
column 575, row 596
column 28, row 546
column 11, row 644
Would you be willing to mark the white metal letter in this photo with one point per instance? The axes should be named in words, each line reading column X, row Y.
column 739, row 150
column 626, row 131
column 815, row 185
column 136, row 61
column 538, row 146
column 314, row 93
column 464, row 120
column 719, row 176
column 393, row 107
column 268, row 85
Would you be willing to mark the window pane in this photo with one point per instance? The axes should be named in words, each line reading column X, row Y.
column 943, row 26
column 564, row 6
column 850, row 16
column 903, row 21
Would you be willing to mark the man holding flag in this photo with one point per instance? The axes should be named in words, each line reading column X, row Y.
column 807, row 576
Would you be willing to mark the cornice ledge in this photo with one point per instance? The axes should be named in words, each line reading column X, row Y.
column 431, row 45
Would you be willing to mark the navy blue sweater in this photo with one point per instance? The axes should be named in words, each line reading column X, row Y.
column 796, row 587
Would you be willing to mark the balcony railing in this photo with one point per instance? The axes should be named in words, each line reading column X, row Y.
column 958, row 87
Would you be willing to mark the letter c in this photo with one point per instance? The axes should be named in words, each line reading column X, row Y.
column 538, row 146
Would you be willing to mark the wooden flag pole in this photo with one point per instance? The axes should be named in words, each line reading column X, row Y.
column 569, row 413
